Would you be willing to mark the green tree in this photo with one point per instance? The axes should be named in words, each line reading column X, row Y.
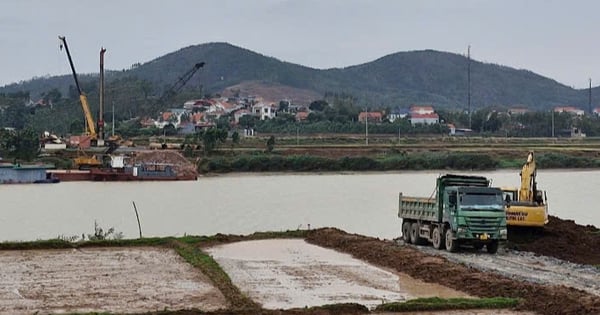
column 212, row 137
column 270, row 144
column 23, row 145
column 235, row 138
column 318, row 105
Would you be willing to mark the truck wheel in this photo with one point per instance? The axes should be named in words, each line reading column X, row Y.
column 414, row 234
column 451, row 245
column 406, row 232
column 438, row 239
column 492, row 247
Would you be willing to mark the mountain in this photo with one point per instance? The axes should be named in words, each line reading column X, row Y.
column 399, row 79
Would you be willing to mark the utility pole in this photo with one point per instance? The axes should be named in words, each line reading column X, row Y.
column 101, row 107
column 552, row 123
column 469, row 82
column 367, row 126
column 113, row 118
column 590, row 97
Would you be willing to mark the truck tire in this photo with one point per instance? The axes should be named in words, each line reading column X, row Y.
column 451, row 245
column 437, row 238
column 492, row 247
column 414, row 234
column 406, row 231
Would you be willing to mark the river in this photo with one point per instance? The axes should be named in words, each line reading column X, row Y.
column 363, row 203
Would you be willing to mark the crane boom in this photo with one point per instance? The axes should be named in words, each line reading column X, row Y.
column 180, row 82
column 91, row 127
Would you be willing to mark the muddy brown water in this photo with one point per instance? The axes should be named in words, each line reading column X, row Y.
column 363, row 203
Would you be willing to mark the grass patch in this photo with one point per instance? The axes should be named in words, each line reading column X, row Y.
column 63, row 244
column 209, row 267
column 435, row 303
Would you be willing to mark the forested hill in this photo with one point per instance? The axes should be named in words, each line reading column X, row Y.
column 399, row 79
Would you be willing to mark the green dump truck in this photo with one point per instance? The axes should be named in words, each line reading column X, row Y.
column 464, row 211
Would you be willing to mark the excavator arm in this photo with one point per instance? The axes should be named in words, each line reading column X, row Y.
column 528, row 184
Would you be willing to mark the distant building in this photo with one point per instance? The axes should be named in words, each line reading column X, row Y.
column 264, row 111
column 302, row 116
column 375, row 117
column 569, row 109
column 421, row 110
column 425, row 119
column 458, row 131
column 397, row 113
column 596, row 111
column 518, row 111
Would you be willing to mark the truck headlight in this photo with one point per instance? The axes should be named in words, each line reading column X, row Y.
column 503, row 233
column 461, row 230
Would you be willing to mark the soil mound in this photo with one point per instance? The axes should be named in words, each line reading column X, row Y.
column 181, row 165
column 562, row 239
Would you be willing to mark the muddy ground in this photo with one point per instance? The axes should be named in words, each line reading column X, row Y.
column 542, row 298
column 543, row 284
column 117, row 280
column 291, row 273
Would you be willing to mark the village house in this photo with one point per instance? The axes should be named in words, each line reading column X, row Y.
column 375, row 117
column 596, row 111
column 423, row 114
column 302, row 116
column 264, row 111
column 569, row 109
column 396, row 114
column 421, row 110
column 425, row 119
column 518, row 111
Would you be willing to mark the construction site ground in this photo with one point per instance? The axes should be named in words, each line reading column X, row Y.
column 328, row 266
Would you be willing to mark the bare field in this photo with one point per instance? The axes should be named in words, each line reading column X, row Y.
column 116, row 280
column 283, row 274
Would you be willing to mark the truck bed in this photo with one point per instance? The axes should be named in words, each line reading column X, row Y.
column 417, row 208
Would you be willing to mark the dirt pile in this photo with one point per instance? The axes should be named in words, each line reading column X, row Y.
column 562, row 239
column 543, row 299
column 180, row 164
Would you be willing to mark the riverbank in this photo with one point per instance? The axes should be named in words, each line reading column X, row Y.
column 317, row 160
column 201, row 253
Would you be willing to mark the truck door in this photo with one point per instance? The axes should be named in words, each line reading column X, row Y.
column 450, row 206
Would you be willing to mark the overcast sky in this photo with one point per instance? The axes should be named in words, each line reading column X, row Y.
column 555, row 38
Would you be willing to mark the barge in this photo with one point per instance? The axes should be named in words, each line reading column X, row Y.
column 140, row 172
column 26, row 174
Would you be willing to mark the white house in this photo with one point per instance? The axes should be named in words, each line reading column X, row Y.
column 421, row 110
column 426, row 119
column 264, row 111
column 570, row 110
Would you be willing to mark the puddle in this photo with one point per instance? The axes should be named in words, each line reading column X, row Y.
column 290, row 273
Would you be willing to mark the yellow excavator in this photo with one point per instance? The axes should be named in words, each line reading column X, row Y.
column 526, row 206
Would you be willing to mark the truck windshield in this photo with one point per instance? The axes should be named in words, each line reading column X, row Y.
column 480, row 199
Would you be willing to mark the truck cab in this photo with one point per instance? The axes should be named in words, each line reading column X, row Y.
column 475, row 216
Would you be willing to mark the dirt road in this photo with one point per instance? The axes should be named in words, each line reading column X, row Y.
column 526, row 266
